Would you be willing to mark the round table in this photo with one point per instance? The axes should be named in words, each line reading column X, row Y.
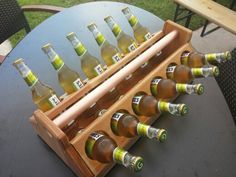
column 201, row 144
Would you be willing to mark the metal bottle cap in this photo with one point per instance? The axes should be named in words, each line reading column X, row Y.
column 137, row 164
column 183, row 109
column 228, row 55
column 215, row 71
column 200, row 89
column 46, row 47
column 162, row 135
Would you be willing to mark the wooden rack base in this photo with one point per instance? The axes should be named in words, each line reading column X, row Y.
column 72, row 152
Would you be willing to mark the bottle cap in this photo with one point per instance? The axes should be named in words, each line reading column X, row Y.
column 71, row 36
column 183, row 109
column 215, row 71
column 18, row 61
column 200, row 89
column 162, row 135
column 228, row 55
column 46, row 47
column 137, row 164
column 92, row 26
column 125, row 10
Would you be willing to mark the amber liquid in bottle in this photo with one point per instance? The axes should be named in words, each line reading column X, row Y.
column 43, row 96
column 167, row 88
column 184, row 74
column 148, row 105
column 124, row 124
column 99, row 146
column 197, row 60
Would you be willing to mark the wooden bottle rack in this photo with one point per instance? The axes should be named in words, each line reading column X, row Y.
column 72, row 152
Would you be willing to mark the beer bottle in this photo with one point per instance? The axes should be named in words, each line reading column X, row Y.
column 43, row 96
column 99, row 146
column 124, row 124
column 68, row 79
column 197, row 60
column 184, row 74
column 90, row 64
column 109, row 53
column 141, row 33
column 148, row 105
column 125, row 42
column 167, row 88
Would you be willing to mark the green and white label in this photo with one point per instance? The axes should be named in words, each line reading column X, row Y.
column 57, row 62
column 119, row 155
column 169, row 71
column 98, row 69
column 163, row 106
column 117, row 116
column 155, row 81
column 114, row 121
column 181, row 88
column 197, row 71
column 184, row 58
column 80, row 49
column 133, row 20
column 30, row 79
column 136, row 100
column 154, row 84
column 78, row 84
column 90, row 143
column 116, row 57
column 142, row 129
column 54, row 100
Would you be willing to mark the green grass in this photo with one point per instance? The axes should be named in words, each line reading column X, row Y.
column 164, row 9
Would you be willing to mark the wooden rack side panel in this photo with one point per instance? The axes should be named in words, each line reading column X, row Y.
column 103, row 123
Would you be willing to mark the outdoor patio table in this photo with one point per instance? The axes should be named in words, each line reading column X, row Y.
column 203, row 143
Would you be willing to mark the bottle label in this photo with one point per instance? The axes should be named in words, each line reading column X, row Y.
column 114, row 121
column 184, row 58
column 181, row 88
column 133, row 20
column 78, row 84
column 57, row 62
column 154, row 84
column 98, row 69
column 163, row 106
column 135, row 103
column 132, row 47
column 147, row 36
column 54, row 100
column 143, row 129
column 116, row 58
column 169, row 72
column 30, row 79
column 80, row 49
column 90, row 143
column 119, row 155
column 216, row 57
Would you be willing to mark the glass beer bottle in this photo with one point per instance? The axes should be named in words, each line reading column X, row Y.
column 141, row 33
column 124, row 124
column 147, row 105
column 99, row 146
column 68, row 79
column 43, row 96
column 125, row 42
column 184, row 74
column 90, row 64
column 167, row 88
column 109, row 53
column 197, row 60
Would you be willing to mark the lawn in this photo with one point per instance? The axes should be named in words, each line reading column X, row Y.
column 163, row 8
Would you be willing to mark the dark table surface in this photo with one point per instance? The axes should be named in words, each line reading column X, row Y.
column 201, row 144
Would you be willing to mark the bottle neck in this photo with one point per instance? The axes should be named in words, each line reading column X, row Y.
column 174, row 109
column 55, row 59
column 116, row 29
column 217, row 57
column 205, row 72
column 190, row 88
column 126, row 159
column 29, row 77
column 99, row 37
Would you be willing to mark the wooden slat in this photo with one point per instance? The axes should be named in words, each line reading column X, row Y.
column 44, row 8
column 214, row 12
column 2, row 58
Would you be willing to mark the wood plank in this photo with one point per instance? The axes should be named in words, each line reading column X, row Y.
column 44, row 8
column 214, row 12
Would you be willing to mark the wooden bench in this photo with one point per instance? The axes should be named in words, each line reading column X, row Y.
column 211, row 10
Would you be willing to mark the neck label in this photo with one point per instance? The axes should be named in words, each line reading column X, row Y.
column 80, row 49
column 119, row 155
column 133, row 20
column 57, row 62
column 30, row 79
